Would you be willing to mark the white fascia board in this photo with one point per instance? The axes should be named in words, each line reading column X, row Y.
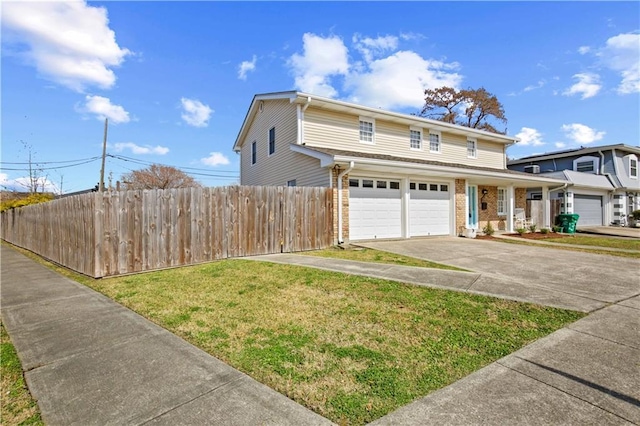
column 450, row 170
column 326, row 160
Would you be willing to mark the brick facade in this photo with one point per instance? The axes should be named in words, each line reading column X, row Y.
column 461, row 206
column 345, row 205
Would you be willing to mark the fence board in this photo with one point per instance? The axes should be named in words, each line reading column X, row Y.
column 112, row 233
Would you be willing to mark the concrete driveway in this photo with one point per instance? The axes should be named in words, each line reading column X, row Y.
column 570, row 279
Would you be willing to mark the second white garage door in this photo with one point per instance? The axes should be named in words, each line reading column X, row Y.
column 375, row 210
column 589, row 207
column 429, row 209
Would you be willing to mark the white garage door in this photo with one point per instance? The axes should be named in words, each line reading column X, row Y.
column 375, row 210
column 429, row 209
column 589, row 207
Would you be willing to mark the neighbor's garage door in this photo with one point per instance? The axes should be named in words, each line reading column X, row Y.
column 589, row 207
column 375, row 210
column 429, row 209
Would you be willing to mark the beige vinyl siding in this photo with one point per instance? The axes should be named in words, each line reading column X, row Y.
column 284, row 165
column 330, row 129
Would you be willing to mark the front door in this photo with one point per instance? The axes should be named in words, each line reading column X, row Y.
column 472, row 206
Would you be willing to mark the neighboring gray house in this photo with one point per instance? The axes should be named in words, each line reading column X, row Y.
column 602, row 181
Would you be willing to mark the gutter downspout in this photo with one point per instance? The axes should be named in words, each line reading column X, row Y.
column 608, row 175
column 300, row 114
column 352, row 164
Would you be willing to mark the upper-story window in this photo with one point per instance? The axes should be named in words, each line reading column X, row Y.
column 472, row 148
column 415, row 138
column 367, row 130
column 586, row 164
column 631, row 162
column 434, row 141
column 254, row 152
column 272, row 140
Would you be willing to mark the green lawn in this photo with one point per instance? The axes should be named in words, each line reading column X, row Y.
column 17, row 406
column 619, row 243
column 377, row 256
column 571, row 246
column 350, row 348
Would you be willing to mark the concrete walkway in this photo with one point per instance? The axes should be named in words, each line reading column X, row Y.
column 613, row 231
column 557, row 244
column 90, row 361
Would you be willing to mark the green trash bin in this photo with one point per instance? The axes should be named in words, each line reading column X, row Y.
column 568, row 222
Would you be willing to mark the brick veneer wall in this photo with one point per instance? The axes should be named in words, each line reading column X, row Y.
column 345, row 206
column 490, row 214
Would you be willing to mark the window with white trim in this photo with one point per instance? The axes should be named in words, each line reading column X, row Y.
column 472, row 148
column 434, row 142
column 415, row 139
column 633, row 166
column 272, row 140
column 254, row 152
column 367, row 130
column 502, row 202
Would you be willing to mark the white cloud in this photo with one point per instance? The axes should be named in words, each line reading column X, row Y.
column 141, row 150
column 215, row 159
column 23, row 184
column 102, row 108
column 531, row 87
column 374, row 47
column 68, row 42
column 588, row 85
column 582, row 134
column 560, row 144
column 195, row 113
column 622, row 54
column 399, row 80
column 245, row 67
column 321, row 59
column 583, row 50
column 529, row 136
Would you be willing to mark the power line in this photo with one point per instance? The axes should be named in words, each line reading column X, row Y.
column 50, row 162
column 147, row 163
column 34, row 166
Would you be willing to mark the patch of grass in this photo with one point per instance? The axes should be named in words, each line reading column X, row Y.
column 18, row 407
column 350, row 348
column 377, row 256
column 619, row 243
column 570, row 248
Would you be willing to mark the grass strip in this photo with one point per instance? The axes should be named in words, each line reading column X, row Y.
column 377, row 256
column 17, row 407
column 570, row 248
column 618, row 243
column 350, row 348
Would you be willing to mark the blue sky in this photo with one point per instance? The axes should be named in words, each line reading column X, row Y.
column 175, row 79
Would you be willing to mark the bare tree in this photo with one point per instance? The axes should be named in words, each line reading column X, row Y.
column 468, row 107
column 157, row 176
column 36, row 181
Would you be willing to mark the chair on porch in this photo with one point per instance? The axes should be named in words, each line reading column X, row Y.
column 520, row 219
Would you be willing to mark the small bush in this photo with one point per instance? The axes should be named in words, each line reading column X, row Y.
column 488, row 230
column 544, row 230
column 635, row 215
column 557, row 228
column 29, row 199
column 521, row 230
column 533, row 227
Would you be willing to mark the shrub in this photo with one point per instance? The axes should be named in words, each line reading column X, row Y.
column 557, row 228
column 635, row 215
column 34, row 198
column 521, row 230
column 488, row 230
column 544, row 230
column 533, row 227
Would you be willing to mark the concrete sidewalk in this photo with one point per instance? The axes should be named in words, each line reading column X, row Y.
column 90, row 361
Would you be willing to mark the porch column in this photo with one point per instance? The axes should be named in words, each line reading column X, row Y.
column 546, row 208
column 510, row 206
column 406, row 196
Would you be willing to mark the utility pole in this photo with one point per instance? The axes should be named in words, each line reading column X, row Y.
column 104, row 156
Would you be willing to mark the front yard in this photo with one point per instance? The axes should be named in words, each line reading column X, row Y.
column 350, row 348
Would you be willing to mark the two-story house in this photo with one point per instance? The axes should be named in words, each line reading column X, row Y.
column 602, row 181
column 396, row 175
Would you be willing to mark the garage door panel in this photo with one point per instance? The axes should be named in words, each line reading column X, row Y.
column 589, row 207
column 374, row 212
column 429, row 212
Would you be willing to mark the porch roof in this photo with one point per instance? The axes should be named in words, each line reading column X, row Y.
column 389, row 164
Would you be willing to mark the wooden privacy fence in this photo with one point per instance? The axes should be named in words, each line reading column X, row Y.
column 112, row 233
column 535, row 210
